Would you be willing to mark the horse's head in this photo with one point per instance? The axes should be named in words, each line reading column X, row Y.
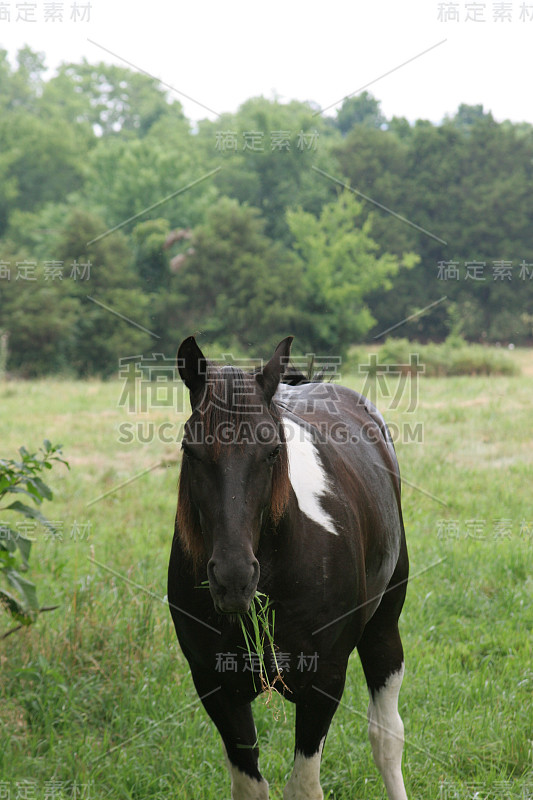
column 234, row 474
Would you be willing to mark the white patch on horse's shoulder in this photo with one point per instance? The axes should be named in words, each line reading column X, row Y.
column 307, row 475
column 304, row 783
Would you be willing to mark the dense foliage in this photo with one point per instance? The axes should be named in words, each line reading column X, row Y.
column 240, row 230
column 22, row 477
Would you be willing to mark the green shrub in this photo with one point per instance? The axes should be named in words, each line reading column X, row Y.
column 452, row 357
column 23, row 478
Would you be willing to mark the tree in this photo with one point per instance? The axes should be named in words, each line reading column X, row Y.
column 42, row 155
column 363, row 109
column 21, row 88
column 339, row 268
column 374, row 162
column 53, row 323
column 110, row 98
column 40, row 322
column 467, row 116
column 42, row 160
column 466, row 184
column 151, row 259
column 128, row 177
column 114, row 317
column 238, row 289
column 267, row 150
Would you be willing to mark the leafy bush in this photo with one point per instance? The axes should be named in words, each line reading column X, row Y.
column 22, row 477
column 453, row 357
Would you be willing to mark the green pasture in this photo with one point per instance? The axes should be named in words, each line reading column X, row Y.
column 96, row 696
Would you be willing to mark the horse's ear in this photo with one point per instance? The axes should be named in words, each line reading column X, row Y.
column 271, row 374
column 192, row 365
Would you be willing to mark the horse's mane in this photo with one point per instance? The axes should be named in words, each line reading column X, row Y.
column 230, row 398
column 294, row 377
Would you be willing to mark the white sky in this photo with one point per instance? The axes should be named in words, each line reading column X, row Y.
column 222, row 53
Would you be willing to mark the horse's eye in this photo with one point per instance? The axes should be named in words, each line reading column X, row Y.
column 272, row 456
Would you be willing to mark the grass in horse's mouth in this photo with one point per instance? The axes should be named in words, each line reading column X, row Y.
column 260, row 640
column 261, row 618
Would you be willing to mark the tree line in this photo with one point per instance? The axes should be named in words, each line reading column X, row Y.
column 124, row 228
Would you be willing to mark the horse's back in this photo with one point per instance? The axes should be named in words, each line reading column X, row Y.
column 357, row 454
column 342, row 419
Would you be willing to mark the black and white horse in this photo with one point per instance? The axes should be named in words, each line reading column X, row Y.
column 293, row 491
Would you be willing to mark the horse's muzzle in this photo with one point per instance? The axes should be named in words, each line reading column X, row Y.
column 233, row 585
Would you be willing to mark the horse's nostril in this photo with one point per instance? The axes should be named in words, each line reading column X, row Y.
column 212, row 575
column 232, row 584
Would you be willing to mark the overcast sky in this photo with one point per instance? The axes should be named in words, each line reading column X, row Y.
column 222, row 53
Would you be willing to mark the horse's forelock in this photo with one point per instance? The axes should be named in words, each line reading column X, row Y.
column 228, row 395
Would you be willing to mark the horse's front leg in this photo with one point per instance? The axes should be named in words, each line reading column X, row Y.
column 314, row 712
column 235, row 724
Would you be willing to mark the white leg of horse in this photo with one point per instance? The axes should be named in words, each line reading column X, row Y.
column 385, row 730
column 304, row 783
column 243, row 787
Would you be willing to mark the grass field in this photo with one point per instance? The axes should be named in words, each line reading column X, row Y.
column 96, row 700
